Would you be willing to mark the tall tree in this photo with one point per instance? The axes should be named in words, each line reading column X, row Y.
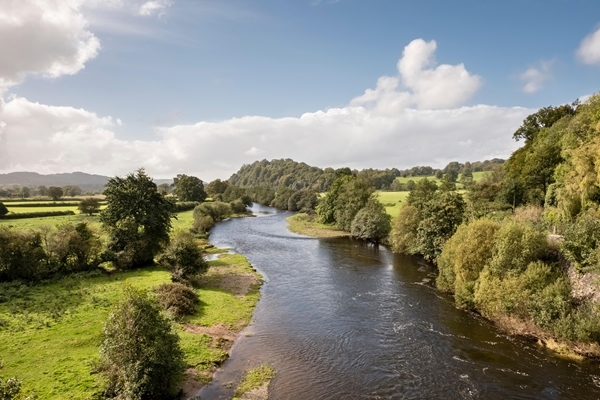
column 188, row 188
column 54, row 192
column 137, row 217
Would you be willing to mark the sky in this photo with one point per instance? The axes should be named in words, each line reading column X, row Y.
column 202, row 87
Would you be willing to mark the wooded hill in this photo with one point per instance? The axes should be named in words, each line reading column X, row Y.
column 298, row 175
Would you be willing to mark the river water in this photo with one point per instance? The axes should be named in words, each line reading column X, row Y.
column 340, row 319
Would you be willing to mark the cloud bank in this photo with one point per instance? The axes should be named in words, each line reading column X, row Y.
column 416, row 117
column 589, row 49
column 43, row 37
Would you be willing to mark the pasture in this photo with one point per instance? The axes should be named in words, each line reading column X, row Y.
column 392, row 201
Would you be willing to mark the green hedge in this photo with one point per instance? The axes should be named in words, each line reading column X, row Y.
column 185, row 206
column 37, row 214
column 45, row 205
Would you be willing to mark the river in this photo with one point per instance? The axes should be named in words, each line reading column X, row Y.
column 340, row 319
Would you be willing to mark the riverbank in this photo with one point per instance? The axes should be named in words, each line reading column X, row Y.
column 50, row 331
column 306, row 224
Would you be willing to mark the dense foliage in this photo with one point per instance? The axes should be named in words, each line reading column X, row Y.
column 188, row 188
column 183, row 257
column 140, row 353
column 89, row 205
column 371, row 222
column 137, row 218
column 29, row 255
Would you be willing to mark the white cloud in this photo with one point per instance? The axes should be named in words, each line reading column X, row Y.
column 589, row 49
column 444, row 86
column 154, row 7
column 60, row 139
column 379, row 129
column 43, row 37
column 535, row 78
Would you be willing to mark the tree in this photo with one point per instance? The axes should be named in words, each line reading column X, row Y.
column 404, row 230
column 216, row 187
column 164, row 188
column 72, row 191
column 188, row 188
column 41, row 190
column 440, row 217
column 543, row 118
column 353, row 195
column 54, row 192
column 137, row 217
column 421, row 193
column 3, row 210
column 372, row 222
column 25, row 192
column 89, row 205
column 140, row 353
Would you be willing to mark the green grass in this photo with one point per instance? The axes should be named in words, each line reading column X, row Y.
column 392, row 201
column 254, row 379
column 49, row 333
column 37, row 223
column 305, row 224
column 477, row 176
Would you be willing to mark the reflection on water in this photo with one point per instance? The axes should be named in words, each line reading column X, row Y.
column 340, row 319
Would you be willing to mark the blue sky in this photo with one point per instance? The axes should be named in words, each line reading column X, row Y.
column 165, row 86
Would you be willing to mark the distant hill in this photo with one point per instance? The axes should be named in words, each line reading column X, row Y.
column 87, row 182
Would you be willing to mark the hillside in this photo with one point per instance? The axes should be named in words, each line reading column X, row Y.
column 87, row 182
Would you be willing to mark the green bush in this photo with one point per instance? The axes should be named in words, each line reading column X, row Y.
column 202, row 223
column 185, row 205
column 581, row 245
column 183, row 257
column 38, row 214
column 177, row 299
column 22, row 255
column 238, row 206
column 73, row 248
column 516, row 245
column 403, row 236
column 140, row 355
column 371, row 222
column 217, row 210
column 463, row 257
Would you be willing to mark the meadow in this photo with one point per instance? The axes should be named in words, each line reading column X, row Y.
column 50, row 333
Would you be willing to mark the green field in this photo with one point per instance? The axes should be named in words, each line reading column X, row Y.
column 477, row 176
column 50, row 332
column 392, row 201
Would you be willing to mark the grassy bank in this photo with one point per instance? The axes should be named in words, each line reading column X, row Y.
column 305, row 224
column 50, row 332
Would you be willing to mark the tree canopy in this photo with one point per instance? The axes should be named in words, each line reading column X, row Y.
column 137, row 217
column 188, row 188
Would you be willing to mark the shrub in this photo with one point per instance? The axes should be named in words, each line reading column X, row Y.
column 177, row 299
column 371, row 222
column 3, row 209
column 581, row 245
column 238, row 206
column 202, row 223
column 516, row 245
column 403, row 236
column 463, row 257
column 183, row 257
column 74, row 248
column 185, row 205
column 217, row 210
column 38, row 214
column 21, row 255
column 140, row 353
